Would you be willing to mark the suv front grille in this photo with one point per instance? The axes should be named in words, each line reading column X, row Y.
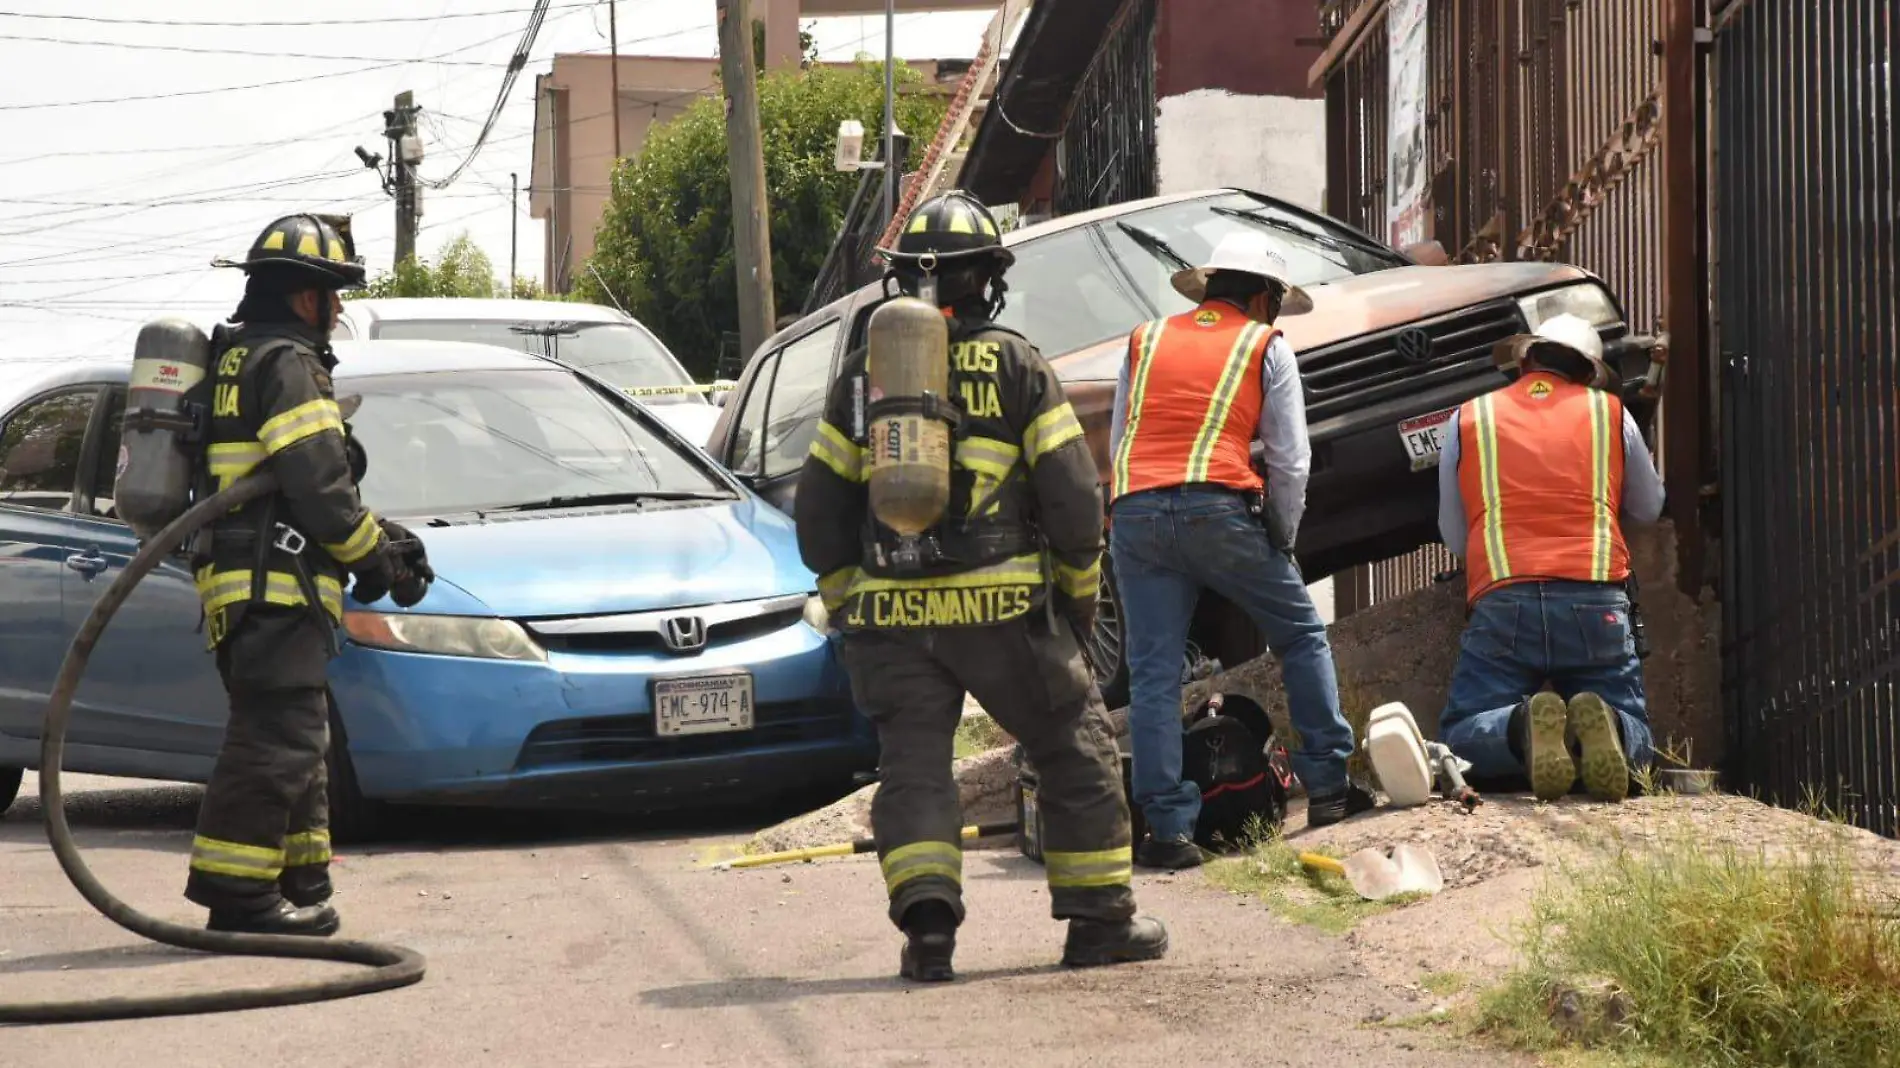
column 1373, row 368
column 612, row 739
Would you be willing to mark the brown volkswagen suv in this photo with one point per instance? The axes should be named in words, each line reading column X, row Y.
column 1390, row 349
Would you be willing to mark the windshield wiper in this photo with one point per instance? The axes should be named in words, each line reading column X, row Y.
column 1154, row 244
column 1322, row 237
column 573, row 500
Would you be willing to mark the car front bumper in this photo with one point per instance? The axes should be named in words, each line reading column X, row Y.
column 578, row 731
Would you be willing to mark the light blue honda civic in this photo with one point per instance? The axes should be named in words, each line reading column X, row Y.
column 616, row 622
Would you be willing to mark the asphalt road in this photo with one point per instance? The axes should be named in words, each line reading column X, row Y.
column 588, row 942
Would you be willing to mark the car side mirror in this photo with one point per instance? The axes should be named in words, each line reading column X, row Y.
column 1428, row 254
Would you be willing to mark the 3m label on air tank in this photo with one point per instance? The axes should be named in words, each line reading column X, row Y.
column 165, row 376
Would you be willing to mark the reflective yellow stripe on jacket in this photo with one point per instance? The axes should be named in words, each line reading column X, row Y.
column 1050, row 431
column 222, row 589
column 843, row 456
column 919, row 859
column 230, row 461
column 1487, row 434
column 303, row 421
column 236, row 859
column 1222, row 403
column 997, row 593
column 836, row 586
column 1603, row 524
column 360, row 542
column 1081, row 583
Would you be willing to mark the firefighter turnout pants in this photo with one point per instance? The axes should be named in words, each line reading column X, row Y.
column 263, row 828
column 1035, row 685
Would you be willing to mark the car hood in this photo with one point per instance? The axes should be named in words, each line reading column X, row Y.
column 1350, row 307
column 694, row 422
column 619, row 560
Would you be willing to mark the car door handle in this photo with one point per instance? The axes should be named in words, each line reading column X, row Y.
column 89, row 563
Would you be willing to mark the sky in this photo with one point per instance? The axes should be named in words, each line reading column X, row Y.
column 137, row 142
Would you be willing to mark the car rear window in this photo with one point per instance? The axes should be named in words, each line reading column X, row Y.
column 625, row 356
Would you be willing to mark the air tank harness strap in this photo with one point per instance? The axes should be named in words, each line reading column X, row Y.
column 929, row 405
column 271, row 535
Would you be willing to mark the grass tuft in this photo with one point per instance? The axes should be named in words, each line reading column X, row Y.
column 1718, row 958
column 1270, row 869
column 977, row 734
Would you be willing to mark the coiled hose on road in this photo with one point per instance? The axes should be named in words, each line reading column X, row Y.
column 391, row 966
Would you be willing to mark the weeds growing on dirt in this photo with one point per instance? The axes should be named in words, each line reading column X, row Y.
column 1717, row 957
column 978, row 734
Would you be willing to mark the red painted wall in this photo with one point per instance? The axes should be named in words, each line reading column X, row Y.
column 1248, row 47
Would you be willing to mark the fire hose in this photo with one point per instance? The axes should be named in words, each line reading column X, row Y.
column 390, row 966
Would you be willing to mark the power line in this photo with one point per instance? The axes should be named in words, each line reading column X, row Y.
column 515, row 66
column 132, row 46
column 249, row 23
column 179, row 94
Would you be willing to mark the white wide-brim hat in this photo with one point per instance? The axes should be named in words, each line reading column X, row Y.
column 1559, row 336
column 1249, row 253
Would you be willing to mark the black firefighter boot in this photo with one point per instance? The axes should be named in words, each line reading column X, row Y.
column 278, row 918
column 1097, row 942
column 930, row 929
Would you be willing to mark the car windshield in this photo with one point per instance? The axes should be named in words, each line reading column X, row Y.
column 1153, row 244
column 626, row 356
column 445, row 442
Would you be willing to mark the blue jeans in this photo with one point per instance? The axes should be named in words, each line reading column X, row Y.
column 1168, row 545
column 1574, row 636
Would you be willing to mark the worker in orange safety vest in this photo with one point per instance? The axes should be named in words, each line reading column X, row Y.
column 1190, row 512
column 1534, row 483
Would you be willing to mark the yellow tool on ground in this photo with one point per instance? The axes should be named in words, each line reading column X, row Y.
column 1410, row 869
column 845, row 849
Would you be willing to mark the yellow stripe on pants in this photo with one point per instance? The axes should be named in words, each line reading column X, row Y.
column 919, row 859
column 1104, row 867
column 236, row 859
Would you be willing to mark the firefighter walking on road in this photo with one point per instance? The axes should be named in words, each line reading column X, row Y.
column 271, row 580
column 955, row 524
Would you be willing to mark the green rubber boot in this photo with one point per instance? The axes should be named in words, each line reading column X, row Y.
column 1606, row 770
column 1553, row 773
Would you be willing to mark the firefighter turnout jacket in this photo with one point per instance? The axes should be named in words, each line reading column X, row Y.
column 1195, row 421
column 1024, row 506
column 272, row 400
column 1540, row 470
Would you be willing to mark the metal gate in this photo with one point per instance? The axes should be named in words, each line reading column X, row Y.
column 1107, row 151
column 1808, row 296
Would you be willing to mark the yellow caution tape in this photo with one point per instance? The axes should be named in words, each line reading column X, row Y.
column 673, row 391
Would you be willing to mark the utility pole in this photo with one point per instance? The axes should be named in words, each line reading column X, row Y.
column 405, row 151
column 613, row 46
column 893, row 170
column 514, row 222
column 752, row 234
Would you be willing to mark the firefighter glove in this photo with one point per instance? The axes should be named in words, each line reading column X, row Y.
column 375, row 574
column 413, row 573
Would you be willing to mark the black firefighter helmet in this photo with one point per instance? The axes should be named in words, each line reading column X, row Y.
column 315, row 249
column 949, row 230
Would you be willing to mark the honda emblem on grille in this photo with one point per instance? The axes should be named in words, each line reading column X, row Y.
column 1415, row 347
column 684, row 634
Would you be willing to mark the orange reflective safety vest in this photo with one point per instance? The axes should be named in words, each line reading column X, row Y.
column 1194, row 398
column 1540, row 468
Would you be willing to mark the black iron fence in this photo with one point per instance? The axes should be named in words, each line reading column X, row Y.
column 1808, row 296
column 1107, row 151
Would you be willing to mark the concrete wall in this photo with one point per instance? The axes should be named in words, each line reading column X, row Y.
column 1271, row 144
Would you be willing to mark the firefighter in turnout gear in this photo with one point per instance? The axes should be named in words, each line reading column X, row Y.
column 987, row 601
column 271, row 577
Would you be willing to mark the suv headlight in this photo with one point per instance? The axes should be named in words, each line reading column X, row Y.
column 1585, row 300
column 816, row 615
column 485, row 639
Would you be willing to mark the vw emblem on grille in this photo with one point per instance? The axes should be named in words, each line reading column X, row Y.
column 684, row 634
column 1415, row 347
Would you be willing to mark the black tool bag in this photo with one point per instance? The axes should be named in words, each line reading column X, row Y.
column 1243, row 792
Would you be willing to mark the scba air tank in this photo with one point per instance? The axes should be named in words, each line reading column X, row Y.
column 909, row 359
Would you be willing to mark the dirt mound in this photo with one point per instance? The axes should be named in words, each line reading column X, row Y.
column 983, row 782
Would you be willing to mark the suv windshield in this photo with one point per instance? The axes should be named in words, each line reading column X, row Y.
column 457, row 441
column 626, row 356
column 1152, row 243
column 1065, row 294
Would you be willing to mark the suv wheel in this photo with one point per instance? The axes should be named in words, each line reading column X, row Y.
column 1108, row 649
column 9, row 787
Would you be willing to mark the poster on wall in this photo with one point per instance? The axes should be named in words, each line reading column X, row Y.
column 1405, row 137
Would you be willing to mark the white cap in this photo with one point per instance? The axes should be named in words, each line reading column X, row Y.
column 1249, row 252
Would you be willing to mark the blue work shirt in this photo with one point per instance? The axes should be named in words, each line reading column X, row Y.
column 1642, row 486
column 1281, row 433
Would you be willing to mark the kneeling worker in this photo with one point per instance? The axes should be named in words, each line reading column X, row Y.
column 1190, row 513
column 1533, row 484
column 966, row 605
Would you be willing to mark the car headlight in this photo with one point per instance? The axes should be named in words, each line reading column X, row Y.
column 816, row 615
column 486, row 639
column 1585, row 300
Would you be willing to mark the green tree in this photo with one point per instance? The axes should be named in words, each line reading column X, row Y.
column 462, row 270
column 665, row 241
